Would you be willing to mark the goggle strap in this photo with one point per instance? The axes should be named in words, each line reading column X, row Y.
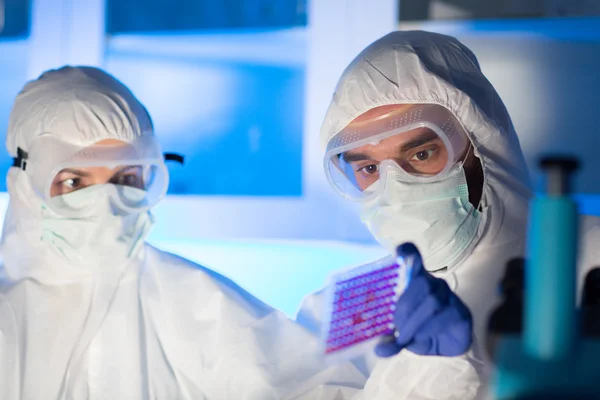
column 178, row 158
column 20, row 161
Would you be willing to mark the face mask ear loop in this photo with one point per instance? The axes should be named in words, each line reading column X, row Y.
column 467, row 154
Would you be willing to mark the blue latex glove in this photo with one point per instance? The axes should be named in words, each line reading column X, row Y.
column 430, row 319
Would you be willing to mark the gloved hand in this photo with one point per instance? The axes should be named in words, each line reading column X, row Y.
column 430, row 319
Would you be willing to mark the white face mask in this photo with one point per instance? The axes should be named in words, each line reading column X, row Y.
column 436, row 216
column 107, row 238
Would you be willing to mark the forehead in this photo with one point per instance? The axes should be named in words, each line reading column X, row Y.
column 377, row 112
column 111, row 143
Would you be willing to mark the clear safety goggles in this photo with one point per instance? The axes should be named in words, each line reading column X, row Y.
column 57, row 168
column 418, row 142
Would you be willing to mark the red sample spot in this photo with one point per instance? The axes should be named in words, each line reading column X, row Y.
column 357, row 319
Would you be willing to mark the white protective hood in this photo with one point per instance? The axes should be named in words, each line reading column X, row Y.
column 80, row 105
column 429, row 68
column 423, row 67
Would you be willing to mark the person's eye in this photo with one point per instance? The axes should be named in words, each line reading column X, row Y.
column 129, row 180
column 71, row 183
column 423, row 155
column 369, row 169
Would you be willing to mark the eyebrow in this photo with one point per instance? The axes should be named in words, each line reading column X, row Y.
column 75, row 172
column 352, row 157
column 420, row 140
column 130, row 168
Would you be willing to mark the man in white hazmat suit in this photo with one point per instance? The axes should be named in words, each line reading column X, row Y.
column 87, row 309
column 418, row 136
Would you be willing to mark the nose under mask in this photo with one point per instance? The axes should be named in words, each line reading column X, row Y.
column 106, row 237
column 436, row 216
